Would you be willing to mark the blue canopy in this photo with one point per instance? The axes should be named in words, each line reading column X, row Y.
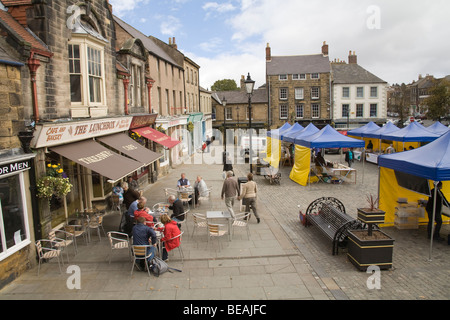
column 438, row 128
column 277, row 132
column 415, row 132
column 292, row 132
column 309, row 130
column 328, row 137
column 388, row 128
column 360, row 132
column 431, row 161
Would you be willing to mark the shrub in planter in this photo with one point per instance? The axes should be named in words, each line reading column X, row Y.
column 370, row 247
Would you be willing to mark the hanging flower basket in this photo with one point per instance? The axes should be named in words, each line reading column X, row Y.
column 161, row 129
column 54, row 183
column 190, row 127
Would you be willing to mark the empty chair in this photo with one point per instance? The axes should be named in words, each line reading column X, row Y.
column 214, row 231
column 206, row 198
column 77, row 230
column 61, row 243
column 199, row 222
column 241, row 221
column 184, row 222
column 118, row 241
column 170, row 192
column 140, row 253
column 95, row 223
column 47, row 253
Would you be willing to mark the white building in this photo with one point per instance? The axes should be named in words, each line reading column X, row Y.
column 358, row 96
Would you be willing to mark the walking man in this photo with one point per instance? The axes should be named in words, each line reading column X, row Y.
column 230, row 190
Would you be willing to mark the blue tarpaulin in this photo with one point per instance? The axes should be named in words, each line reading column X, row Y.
column 415, row 132
column 309, row 130
column 292, row 132
column 388, row 128
column 328, row 137
column 277, row 132
column 360, row 132
column 438, row 128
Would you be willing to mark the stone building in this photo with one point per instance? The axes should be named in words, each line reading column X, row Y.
column 73, row 87
column 359, row 96
column 299, row 88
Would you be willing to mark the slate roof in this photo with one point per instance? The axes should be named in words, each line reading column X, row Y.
column 240, row 96
column 148, row 43
column 353, row 74
column 316, row 63
column 5, row 58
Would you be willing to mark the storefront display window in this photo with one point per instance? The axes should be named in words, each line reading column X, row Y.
column 14, row 233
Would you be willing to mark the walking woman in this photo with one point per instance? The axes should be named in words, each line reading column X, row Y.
column 248, row 195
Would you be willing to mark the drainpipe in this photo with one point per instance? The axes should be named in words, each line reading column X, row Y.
column 126, row 82
column 33, row 65
column 150, row 83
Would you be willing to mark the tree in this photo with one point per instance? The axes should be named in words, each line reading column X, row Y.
column 439, row 100
column 399, row 102
column 224, row 85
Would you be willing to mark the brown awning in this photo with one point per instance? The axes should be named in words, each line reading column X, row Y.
column 96, row 157
column 124, row 144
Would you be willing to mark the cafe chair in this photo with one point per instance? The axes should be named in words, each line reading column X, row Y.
column 95, row 223
column 170, row 192
column 140, row 253
column 118, row 241
column 241, row 221
column 179, row 247
column 199, row 222
column 115, row 203
column 47, row 253
column 63, row 244
column 184, row 222
column 77, row 230
column 207, row 198
column 214, row 231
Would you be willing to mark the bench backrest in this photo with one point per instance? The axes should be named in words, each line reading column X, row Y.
column 333, row 216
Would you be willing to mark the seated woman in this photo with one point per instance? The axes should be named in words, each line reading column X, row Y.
column 170, row 231
column 142, row 212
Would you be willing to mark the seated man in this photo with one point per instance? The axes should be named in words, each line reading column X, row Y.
column 183, row 182
column 142, row 211
column 320, row 163
column 201, row 189
column 178, row 210
column 141, row 237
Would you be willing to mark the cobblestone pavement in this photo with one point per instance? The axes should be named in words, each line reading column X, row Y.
column 412, row 275
column 280, row 260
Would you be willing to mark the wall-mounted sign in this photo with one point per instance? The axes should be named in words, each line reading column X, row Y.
column 14, row 167
column 143, row 121
column 52, row 134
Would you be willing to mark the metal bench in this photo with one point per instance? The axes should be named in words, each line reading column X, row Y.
column 328, row 215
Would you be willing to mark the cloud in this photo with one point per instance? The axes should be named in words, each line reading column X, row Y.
column 170, row 25
column 219, row 8
column 121, row 7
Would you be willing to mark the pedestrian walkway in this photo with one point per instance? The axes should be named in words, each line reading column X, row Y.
column 265, row 266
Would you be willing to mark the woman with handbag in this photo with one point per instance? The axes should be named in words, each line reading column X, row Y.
column 248, row 196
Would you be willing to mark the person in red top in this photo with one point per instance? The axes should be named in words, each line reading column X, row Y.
column 142, row 212
column 171, row 230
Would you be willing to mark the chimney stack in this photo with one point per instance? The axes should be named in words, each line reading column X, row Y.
column 352, row 58
column 243, row 88
column 172, row 43
column 268, row 53
column 325, row 49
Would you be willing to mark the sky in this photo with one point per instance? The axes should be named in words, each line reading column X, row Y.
column 397, row 40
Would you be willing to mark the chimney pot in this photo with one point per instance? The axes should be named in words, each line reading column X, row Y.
column 352, row 58
column 268, row 53
column 325, row 49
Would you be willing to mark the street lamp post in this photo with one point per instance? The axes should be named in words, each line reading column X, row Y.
column 249, row 86
column 224, row 104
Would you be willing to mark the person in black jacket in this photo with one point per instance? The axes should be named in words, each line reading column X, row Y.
column 178, row 209
column 440, row 201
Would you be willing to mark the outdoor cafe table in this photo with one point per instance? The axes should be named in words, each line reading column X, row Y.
column 218, row 215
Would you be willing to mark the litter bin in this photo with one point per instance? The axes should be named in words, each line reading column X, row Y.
column 241, row 180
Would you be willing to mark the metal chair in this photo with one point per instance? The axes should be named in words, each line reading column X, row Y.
column 47, row 253
column 77, row 230
column 184, row 222
column 95, row 223
column 118, row 241
column 63, row 244
column 199, row 222
column 140, row 253
column 208, row 197
column 115, row 202
column 179, row 247
column 214, row 231
column 170, row 192
column 241, row 221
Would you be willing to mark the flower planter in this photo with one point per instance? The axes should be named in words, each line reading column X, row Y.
column 364, row 250
column 370, row 216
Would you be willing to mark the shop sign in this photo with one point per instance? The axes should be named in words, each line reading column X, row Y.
column 143, row 121
column 14, row 167
column 48, row 135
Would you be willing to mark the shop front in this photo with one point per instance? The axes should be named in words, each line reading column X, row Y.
column 95, row 155
column 16, row 215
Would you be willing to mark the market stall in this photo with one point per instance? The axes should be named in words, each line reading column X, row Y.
column 273, row 153
column 425, row 166
column 375, row 138
column 410, row 136
column 325, row 138
column 438, row 128
column 361, row 133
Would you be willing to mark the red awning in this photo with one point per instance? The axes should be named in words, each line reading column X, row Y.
column 157, row 137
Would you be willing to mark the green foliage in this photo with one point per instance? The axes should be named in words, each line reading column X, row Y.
column 224, row 85
column 53, row 183
column 439, row 101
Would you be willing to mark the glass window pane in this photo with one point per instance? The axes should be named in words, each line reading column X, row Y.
column 12, row 211
column 75, row 88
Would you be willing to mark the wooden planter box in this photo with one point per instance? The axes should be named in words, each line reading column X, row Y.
column 371, row 217
column 364, row 252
